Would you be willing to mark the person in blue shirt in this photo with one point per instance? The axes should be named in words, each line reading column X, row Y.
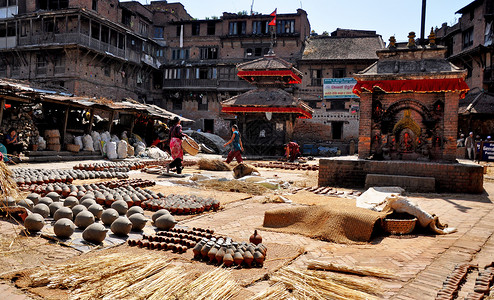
column 236, row 142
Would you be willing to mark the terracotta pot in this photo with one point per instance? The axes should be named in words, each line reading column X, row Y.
column 248, row 258
column 228, row 260
column 255, row 238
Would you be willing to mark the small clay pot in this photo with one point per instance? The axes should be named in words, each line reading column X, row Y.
column 94, row 233
column 26, row 203
column 64, row 228
column 45, row 200
column 248, row 258
column 84, row 219
column 255, row 238
column 238, row 258
column 121, row 226
column 42, row 209
column 228, row 260
column 259, row 258
column 34, row 222
column 219, row 255
column 63, row 212
column 108, row 216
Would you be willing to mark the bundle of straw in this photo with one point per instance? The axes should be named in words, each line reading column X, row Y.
column 367, row 271
column 313, row 285
column 213, row 285
column 235, row 186
column 274, row 292
column 213, row 165
column 8, row 187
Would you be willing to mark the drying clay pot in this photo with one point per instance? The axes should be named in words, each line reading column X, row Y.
column 54, row 196
column 63, row 212
column 135, row 210
column 54, row 207
column 77, row 209
column 138, row 221
column 41, row 209
column 255, row 238
column 26, row 203
column 88, row 202
column 165, row 222
column 120, row 206
column 94, row 233
column 45, row 200
column 121, row 226
column 64, row 228
column 70, row 201
column 159, row 213
column 96, row 210
column 108, row 216
column 34, row 222
column 84, row 219
column 34, row 197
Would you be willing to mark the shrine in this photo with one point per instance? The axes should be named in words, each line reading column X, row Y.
column 266, row 115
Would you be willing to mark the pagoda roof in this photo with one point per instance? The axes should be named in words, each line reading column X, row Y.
column 269, row 69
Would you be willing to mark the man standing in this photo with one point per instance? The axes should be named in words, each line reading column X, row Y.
column 470, row 145
column 236, row 141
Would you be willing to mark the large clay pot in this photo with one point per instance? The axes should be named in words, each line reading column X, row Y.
column 63, row 212
column 108, row 216
column 94, row 233
column 120, row 206
column 255, row 238
column 70, row 201
column 121, row 226
column 34, row 197
column 165, row 222
column 135, row 210
column 138, row 221
column 26, row 203
column 41, row 209
column 96, row 210
column 159, row 213
column 54, row 207
column 88, row 202
column 34, row 222
column 54, row 196
column 64, row 228
column 45, row 200
column 84, row 219
column 77, row 209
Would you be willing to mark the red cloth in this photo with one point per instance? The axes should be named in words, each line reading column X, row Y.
column 417, row 85
column 176, row 148
column 234, row 154
column 273, row 21
column 293, row 150
column 156, row 142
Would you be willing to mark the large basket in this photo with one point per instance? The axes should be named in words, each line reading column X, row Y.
column 399, row 226
column 190, row 146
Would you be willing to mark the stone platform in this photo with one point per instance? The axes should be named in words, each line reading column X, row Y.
column 350, row 171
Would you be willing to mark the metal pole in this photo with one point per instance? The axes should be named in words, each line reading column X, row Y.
column 422, row 24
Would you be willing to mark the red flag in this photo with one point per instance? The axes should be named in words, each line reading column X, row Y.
column 273, row 21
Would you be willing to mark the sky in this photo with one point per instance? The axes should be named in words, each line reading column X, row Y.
column 386, row 17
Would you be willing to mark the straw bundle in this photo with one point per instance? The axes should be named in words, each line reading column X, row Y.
column 213, row 285
column 274, row 292
column 235, row 186
column 8, row 187
column 313, row 285
column 213, row 165
column 367, row 271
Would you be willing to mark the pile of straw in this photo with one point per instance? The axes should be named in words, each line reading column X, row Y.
column 144, row 276
column 8, row 187
column 213, row 165
column 306, row 284
column 235, row 186
column 358, row 270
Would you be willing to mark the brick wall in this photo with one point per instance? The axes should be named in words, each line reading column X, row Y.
column 455, row 177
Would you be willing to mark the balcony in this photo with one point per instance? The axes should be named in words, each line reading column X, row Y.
column 190, row 83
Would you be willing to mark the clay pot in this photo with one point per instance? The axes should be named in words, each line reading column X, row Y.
column 45, row 200
column 120, row 206
column 63, row 212
column 94, row 233
column 70, row 201
column 248, row 258
column 219, row 255
column 88, row 202
column 259, row 258
column 138, row 221
column 64, row 228
column 228, row 260
column 34, row 197
column 121, row 226
column 65, row 192
column 197, row 249
column 96, row 210
column 159, row 213
column 26, row 203
column 165, row 222
column 34, row 222
column 135, row 210
column 41, row 209
column 238, row 258
column 212, row 253
column 84, row 219
column 77, row 209
column 255, row 238
column 108, row 216
column 54, row 207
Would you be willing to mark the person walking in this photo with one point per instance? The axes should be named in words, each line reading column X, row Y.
column 236, row 141
column 470, row 146
column 176, row 136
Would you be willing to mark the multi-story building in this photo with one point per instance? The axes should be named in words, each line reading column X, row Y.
column 328, row 63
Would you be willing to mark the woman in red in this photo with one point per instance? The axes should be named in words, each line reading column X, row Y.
column 292, row 151
column 176, row 136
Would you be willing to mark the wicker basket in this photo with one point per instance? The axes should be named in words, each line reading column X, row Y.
column 73, row 147
column 399, row 226
column 189, row 145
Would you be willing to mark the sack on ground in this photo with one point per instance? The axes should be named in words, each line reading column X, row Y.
column 122, row 149
column 87, row 140
column 111, row 150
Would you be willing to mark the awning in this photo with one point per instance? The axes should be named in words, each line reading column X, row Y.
column 417, row 86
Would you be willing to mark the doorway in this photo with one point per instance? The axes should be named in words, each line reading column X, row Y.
column 209, row 125
column 337, row 130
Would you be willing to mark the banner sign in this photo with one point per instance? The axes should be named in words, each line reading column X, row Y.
column 487, row 151
column 338, row 88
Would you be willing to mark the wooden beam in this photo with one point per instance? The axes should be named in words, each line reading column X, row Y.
column 65, row 124
column 91, row 116
column 112, row 115
column 2, row 106
column 132, row 124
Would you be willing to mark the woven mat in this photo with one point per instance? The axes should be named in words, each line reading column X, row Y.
column 338, row 221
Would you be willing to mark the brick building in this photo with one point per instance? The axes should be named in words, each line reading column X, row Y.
column 334, row 59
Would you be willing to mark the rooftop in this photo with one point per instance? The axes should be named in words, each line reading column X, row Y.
column 342, row 48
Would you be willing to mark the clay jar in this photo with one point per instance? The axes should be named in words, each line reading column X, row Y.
column 96, row 210
column 78, row 209
column 63, row 212
column 94, row 233
column 34, row 197
column 165, row 222
column 70, row 201
column 54, row 196
column 26, row 203
column 108, row 216
column 64, row 228
column 84, row 219
column 121, row 226
column 41, row 209
column 228, row 260
column 34, row 222
column 159, row 213
column 138, row 221
column 120, row 206
column 45, row 200
column 238, row 258
column 248, row 258
column 255, row 238
column 135, row 210
column 88, row 202
column 54, row 207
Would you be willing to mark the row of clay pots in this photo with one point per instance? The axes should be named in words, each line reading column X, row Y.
column 136, row 182
column 158, row 246
column 287, row 166
column 182, row 204
column 126, row 166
